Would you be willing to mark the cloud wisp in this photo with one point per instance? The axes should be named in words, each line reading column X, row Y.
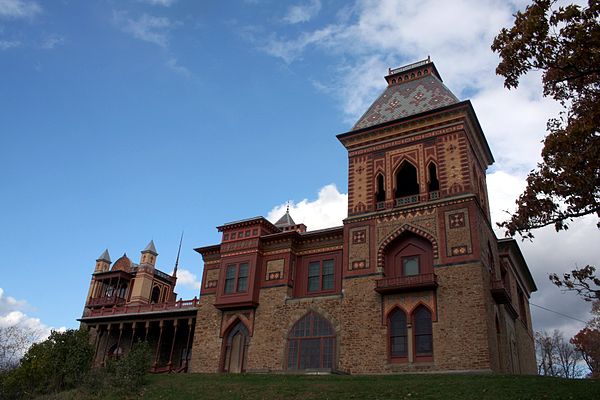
column 147, row 27
column 19, row 9
column 302, row 12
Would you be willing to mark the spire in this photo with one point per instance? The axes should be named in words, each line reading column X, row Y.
column 150, row 248
column 177, row 259
column 104, row 257
column 286, row 219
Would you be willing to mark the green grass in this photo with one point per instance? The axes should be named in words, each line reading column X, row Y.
column 440, row 386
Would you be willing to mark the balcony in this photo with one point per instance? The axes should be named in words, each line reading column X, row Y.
column 106, row 301
column 402, row 201
column 398, row 284
column 500, row 292
column 144, row 308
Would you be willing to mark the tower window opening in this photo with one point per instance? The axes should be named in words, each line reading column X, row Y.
column 434, row 184
column 380, row 194
column 406, row 180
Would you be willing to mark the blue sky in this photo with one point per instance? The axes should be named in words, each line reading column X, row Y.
column 125, row 121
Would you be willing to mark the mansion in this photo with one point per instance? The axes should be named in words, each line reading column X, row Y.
column 413, row 281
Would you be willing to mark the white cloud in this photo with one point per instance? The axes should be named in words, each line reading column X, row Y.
column 9, row 44
column 12, row 313
column 50, row 42
column 328, row 210
column 187, row 279
column 303, row 12
column 180, row 69
column 164, row 3
column 148, row 28
column 19, row 9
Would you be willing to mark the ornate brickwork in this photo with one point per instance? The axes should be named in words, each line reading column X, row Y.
column 275, row 269
column 407, row 302
column 359, row 249
column 212, row 278
column 458, row 233
column 398, row 232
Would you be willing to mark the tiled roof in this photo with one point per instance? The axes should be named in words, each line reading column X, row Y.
column 407, row 98
column 150, row 248
column 104, row 256
column 122, row 264
column 286, row 220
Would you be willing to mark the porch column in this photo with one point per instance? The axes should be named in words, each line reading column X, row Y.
column 106, row 343
column 98, row 339
column 146, row 332
column 173, row 343
column 119, row 340
column 132, row 335
column 157, row 357
column 187, row 345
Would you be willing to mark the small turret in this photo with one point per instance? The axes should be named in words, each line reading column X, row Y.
column 103, row 262
column 149, row 254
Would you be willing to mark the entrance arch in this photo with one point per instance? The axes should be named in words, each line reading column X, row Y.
column 236, row 349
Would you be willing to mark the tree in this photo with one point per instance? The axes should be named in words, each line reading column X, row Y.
column 59, row 362
column 564, row 44
column 557, row 356
column 587, row 341
column 14, row 342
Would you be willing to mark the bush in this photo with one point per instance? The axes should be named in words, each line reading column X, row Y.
column 58, row 363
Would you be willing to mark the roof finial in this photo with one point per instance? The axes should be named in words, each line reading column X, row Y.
column 177, row 259
column 287, row 210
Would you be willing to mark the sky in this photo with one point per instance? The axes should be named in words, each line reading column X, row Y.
column 126, row 121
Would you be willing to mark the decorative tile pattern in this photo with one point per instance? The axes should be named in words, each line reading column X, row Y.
column 458, row 233
column 361, row 264
column 359, row 248
column 275, row 269
column 457, row 220
column 359, row 236
column 409, row 98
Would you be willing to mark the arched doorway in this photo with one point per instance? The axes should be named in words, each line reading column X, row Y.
column 236, row 346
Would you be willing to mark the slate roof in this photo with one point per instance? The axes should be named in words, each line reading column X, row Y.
column 104, row 256
column 405, row 99
column 286, row 220
column 150, row 248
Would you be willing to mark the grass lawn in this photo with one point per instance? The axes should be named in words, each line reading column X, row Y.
column 441, row 386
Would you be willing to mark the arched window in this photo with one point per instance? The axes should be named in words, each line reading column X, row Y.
column 398, row 334
column 408, row 255
column 406, row 180
column 380, row 193
column 155, row 295
column 433, row 184
column 311, row 343
column 422, row 331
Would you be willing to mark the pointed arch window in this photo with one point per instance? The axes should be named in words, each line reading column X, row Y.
column 398, row 335
column 311, row 343
column 407, row 184
column 434, row 184
column 380, row 193
column 423, row 333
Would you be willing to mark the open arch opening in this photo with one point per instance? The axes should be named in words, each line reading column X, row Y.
column 311, row 343
column 407, row 183
column 433, row 185
column 155, row 298
column 380, row 185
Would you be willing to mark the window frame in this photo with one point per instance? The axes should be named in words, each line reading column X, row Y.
column 326, row 342
column 391, row 357
column 423, row 357
column 236, row 278
column 301, row 287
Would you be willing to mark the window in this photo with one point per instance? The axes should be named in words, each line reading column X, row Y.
column 236, row 278
column 434, row 184
column 410, row 266
column 406, row 180
column 320, row 275
column 380, row 194
column 398, row 334
column 311, row 343
column 226, row 236
column 423, row 332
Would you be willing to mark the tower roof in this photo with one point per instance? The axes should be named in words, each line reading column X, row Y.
column 150, row 248
column 412, row 89
column 285, row 220
column 104, row 257
column 122, row 264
